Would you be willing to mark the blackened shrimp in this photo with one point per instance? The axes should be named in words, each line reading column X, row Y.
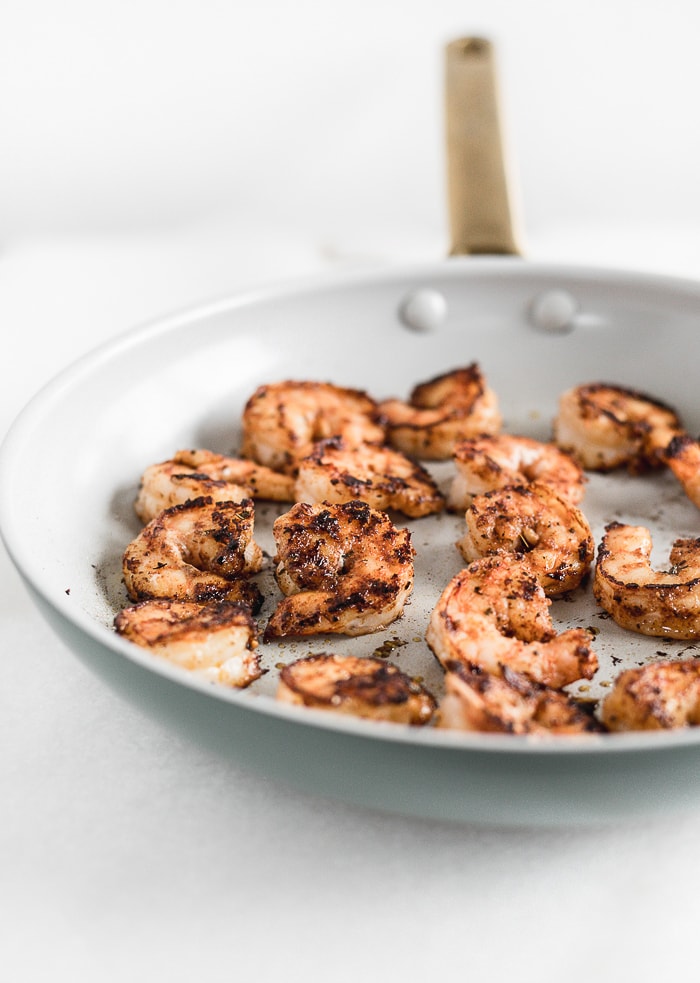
column 509, row 704
column 169, row 483
column 658, row 696
column 380, row 476
column 195, row 473
column 216, row 641
column 682, row 454
column 606, row 427
column 358, row 685
column 262, row 481
column 659, row 603
column 488, row 462
column 282, row 421
column 552, row 537
column 344, row 568
column 200, row 551
column 441, row 412
column 495, row 615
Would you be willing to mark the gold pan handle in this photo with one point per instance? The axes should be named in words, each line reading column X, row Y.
column 479, row 202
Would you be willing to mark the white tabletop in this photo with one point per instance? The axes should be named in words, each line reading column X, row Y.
column 126, row 853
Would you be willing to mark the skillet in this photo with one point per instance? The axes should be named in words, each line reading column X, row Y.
column 534, row 328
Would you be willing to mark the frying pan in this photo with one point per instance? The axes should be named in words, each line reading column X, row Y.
column 534, row 328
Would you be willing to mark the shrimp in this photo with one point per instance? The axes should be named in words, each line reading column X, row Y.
column 215, row 641
column 165, row 485
column 263, row 482
column 344, row 568
column 488, row 462
column 195, row 473
column 282, row 421
column 511, row 704
column 682, row 454
column 494, row 614
column 658, row 603
column 532, row 522
column 362, row 686
column 658, row 696
column 380, row 476
column 199, row 551
column 440, row 412
column 606, row 427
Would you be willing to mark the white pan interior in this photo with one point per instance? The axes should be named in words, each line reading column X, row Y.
column 183, row 382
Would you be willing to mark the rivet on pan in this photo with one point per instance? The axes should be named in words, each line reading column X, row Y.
column 423, row 310
column 554, row 311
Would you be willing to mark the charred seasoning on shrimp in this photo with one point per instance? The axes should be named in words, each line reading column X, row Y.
column 344, row 568
column 658, row 696
column 682, row 454
column 263, row 482
column 440, row 412
column 215, row 640
column 282, row 421
column 163, row 486
column 363, row 686
column 380, row 476
column 492, row 461
column 199, row 551
column 494, row 614
column 193, row 474
column 652, row 602
column 534, row 523
column 508, row 704
column 606, row 426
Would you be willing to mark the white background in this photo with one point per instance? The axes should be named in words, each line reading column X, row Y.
column 155, row 154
